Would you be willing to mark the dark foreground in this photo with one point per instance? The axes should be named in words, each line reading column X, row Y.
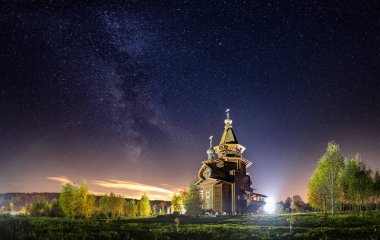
column 306, row 226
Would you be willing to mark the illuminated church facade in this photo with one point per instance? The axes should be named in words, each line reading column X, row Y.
column 224, row 183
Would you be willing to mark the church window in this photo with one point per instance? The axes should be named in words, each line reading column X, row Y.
column 207, row 194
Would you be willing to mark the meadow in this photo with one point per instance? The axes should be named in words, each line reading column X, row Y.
column 304, row 226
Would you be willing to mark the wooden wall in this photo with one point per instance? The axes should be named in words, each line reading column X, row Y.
column 218, row 198
column 208, row 202
column 242, row 183
column 226, row 198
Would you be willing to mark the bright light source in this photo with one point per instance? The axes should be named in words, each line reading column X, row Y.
column 270, row 205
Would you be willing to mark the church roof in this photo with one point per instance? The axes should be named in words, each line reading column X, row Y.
column 216, row 172
column 228, row 136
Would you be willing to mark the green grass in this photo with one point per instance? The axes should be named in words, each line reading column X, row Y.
column 306, row 226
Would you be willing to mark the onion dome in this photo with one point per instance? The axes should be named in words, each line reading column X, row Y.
column 210, row 151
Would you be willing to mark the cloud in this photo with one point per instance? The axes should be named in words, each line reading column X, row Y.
column 61, row 179
column 134, row 186
column 134, row 189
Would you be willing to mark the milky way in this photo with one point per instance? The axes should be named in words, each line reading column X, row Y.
column 131, row 91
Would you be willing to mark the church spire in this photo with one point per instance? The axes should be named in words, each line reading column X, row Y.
column 228, row 121
column 210, row 151
column 228, row 136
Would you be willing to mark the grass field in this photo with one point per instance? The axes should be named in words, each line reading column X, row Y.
column 306, row 226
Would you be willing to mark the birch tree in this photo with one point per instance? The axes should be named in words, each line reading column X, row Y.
column 335, row 163
column 144, row 206
column 323, row 188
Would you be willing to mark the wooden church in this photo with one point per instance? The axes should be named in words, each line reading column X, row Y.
column 224, row 183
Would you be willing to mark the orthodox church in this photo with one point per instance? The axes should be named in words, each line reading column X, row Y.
column 224, row 183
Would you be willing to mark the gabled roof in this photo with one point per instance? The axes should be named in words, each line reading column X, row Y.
column 228, row 136
column 217, row 172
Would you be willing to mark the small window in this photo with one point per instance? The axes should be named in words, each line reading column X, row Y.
column 207, row 194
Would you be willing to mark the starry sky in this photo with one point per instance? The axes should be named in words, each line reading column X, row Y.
column 125, row 95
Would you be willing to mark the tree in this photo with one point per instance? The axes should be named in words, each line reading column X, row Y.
column 161, row 211
column 323, row 187
column 39, row 209
column 356, row 183
column 349, row 183
column 280, row 207
column 317, row 191
column 298, row 204
column 144, row 206
column 85, row 203
column 193, row 201
column 154, row 210
column 112, row 205
column 177, row 203
column 364, row 179
column 55, row 209
column 308, row 208
column 184, row 193
column 76, row 201
column 67, row 200
column 9, row 207
column 288, row 204
column 131, row 208
column 376, row 188
column 335, row 163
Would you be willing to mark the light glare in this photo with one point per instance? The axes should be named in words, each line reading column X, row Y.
column 270, row 205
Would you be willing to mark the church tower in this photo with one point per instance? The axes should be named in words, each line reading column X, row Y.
column 223, row 179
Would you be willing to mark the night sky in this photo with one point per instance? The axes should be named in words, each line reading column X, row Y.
column 125, row 95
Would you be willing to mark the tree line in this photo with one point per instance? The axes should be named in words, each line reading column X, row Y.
column 77, row 202
column 292, row 205
column 343, row 184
